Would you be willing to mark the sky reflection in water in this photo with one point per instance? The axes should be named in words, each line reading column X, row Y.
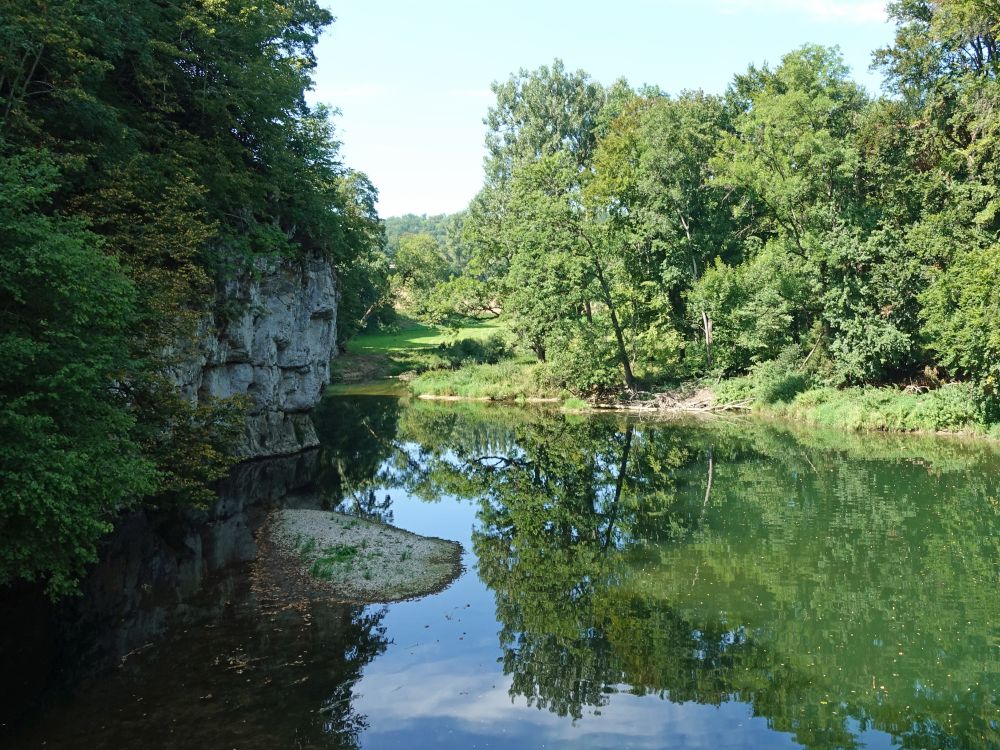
column 826, row 590
column 627, row 585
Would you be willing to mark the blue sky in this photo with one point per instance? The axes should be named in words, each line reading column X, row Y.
column 412, row 79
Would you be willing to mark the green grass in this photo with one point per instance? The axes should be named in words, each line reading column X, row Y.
column 306, row 547
column 952, row 409
column 325, row 565
column 513, row 380
column 411, row 335
column 409, row 347
column 338, row 553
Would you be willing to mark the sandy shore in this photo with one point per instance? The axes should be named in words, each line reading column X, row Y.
column 353, row 559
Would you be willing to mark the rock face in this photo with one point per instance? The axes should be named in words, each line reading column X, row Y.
column 271, row 337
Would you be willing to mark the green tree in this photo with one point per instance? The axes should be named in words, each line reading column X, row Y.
column 177, row 148
column 668, row 217
column 68, row 459
column 420, row 269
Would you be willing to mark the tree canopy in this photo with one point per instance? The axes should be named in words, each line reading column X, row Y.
column 634, row 238
column 147, row 151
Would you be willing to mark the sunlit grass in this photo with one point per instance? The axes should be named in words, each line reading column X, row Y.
column 949, row 409
column 410, row 335
column 409, row 347
column 507, row 381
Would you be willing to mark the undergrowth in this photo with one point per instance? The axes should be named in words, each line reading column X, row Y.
column 509, row 380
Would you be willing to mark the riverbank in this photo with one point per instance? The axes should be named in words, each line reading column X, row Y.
column 413, row 357
column 949, row 409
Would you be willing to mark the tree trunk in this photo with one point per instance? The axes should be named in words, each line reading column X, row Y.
column 619, row 337
column 619, row 484
column 706, row 322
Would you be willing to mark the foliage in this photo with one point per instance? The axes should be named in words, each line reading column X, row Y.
column 748, row 304
column 149, row 151
column 693, row 235
column 957, row 407
column 419, row 268
column 490, row 350
column 779, row 379
column 69, row 460
column 446, row 229
column 961, row 308
column 366, row 297
column 582, row 359
column 510, row 380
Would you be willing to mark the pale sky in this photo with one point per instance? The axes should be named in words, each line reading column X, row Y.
column 412, row 79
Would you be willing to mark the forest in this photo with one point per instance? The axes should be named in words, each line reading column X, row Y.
column 795, row 241
column 795, row 234
column 148, row 152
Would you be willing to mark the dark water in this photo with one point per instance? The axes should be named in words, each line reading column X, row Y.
column 628, row 585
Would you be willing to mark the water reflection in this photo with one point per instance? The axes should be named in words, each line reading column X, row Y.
column 631, row 584
column 834, row 583
column 357, row 436
column 172, row 643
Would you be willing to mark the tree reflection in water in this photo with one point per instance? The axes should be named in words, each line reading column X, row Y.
column 833, row 582
column 189, row 652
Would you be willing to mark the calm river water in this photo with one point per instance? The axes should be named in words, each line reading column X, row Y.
column 628, row 584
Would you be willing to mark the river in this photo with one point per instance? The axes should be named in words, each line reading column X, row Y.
column 627, row 584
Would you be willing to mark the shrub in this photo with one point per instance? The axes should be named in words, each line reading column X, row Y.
column 779, row 380
column 960, row 311
column 734, row 390
column 506, row 381
column 584, row 361
column 954, row 407
column 475, row 351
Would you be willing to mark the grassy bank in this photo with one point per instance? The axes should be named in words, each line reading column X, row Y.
column 512, row 380
column 435, row 358
column 955, row 408
column 409, row 347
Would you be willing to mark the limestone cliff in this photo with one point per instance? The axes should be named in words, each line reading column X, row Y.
column 271, row 336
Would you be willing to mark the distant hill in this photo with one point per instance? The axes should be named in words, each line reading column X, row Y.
column 445, row 228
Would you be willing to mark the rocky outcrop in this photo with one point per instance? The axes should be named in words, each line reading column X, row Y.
column 271, row 337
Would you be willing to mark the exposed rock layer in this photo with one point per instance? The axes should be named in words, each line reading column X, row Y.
column 271, row 337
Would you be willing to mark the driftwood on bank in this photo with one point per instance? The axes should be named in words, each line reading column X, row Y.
column 699, row 401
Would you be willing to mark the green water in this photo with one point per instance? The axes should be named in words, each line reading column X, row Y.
column 641, row 584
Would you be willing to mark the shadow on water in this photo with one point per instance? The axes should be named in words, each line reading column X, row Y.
column 170, row 619
column 843, row 588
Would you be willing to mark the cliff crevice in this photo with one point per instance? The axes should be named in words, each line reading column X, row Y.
column 271, row 337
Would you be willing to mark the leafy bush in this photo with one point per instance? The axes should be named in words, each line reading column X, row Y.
column 956, row 407
column 734, row 390
column 779, row 380
column 475, row 351
column 748, row 305
column 505, row 381
column 69, row 460
column 961, row 309
column 583, row 360
column 870, row 306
